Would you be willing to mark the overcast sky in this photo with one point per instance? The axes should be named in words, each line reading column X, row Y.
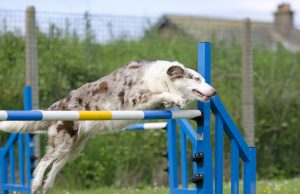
column 236, row 9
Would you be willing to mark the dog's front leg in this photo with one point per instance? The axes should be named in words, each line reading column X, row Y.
column 172, row 100
column 166, row 99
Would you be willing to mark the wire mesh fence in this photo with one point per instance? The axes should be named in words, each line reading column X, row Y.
column 103, row 28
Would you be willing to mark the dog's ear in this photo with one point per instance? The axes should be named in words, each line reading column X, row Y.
column 175, row 72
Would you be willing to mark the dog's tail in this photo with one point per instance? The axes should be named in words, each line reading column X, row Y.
column 24, row 126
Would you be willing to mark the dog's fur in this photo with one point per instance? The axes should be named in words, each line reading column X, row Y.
column 140, row 85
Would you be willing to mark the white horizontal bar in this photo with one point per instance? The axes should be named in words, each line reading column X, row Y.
column 127, row 115
column 60, row 115
column 155, row 125
column 3, row 115
column 185, row 114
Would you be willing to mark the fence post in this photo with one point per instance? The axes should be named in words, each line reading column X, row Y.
column 248, row 121
column 31, row 69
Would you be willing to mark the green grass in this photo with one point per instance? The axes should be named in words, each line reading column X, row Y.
column 279, row 187
column 263, row 187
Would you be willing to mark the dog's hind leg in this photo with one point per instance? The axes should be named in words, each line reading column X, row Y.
column 59, row 144
column 60, row 163
column 40, row 170
column 56, row 167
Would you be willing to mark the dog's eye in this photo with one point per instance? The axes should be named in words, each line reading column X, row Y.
column 197, row 78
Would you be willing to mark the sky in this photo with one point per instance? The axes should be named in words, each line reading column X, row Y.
column 231, row 9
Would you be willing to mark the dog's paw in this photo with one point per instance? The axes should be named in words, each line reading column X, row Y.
column 174, row 100
column 168, row 104
column 181, row 102
column 46, row 189
column 48, row 184
column 35, row 186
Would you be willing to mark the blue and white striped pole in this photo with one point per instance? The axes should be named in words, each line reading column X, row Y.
column 37, row 115
column 145, row 126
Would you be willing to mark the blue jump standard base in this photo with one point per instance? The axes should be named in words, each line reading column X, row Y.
column 25, row 152
column 206, row 179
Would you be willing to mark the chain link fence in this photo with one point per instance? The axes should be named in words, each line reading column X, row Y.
column 103, row 28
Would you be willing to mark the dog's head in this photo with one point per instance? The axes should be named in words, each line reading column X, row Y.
column 189, row 83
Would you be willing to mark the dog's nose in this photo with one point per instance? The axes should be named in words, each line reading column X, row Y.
column 215, row 93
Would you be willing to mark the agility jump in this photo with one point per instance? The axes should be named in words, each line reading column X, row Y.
column 202, row 174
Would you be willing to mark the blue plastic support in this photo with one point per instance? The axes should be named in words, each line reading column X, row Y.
column 1, row 173
column 12, row 138
column 195, row 166
column 27, row 98
column 12, row 164
column 247, row 177
column 16, row 188
column 28, row 139
column 234, row 167
column 28, row 150
column 253, row 171
column 4, row 177
column 203, row 139
column 250, row 173
column 219, row 148
column 5, row 151
column 187, row 128
column 183, row 159
column 21, row 158
column 230, row 128
column 172, row 154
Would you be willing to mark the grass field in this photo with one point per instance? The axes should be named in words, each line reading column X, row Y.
column 263, row 187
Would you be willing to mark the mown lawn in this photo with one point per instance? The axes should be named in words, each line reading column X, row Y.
column 263, row 187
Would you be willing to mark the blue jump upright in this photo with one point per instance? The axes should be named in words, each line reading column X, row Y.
column 12, row 177
column 209, row 180
column 206, row 179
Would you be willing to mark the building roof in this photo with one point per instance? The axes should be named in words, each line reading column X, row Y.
column 204, row 28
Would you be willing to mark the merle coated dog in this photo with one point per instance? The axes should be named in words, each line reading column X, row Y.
column 140, row 85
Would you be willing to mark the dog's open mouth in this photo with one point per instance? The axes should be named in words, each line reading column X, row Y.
column 200, row 94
